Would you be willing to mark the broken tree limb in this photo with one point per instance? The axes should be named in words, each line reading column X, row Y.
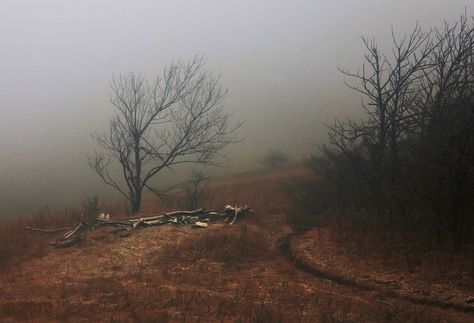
column 199, row 218
column 236, row 211
column 200, row 225
column 81, row 220
column 70, row 233
column 66, row 243
column 177, row 213
column 48, row 230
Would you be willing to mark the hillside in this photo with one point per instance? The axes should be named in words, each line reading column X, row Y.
column 177, row 273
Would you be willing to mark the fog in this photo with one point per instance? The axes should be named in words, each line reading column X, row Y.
column 278, row 59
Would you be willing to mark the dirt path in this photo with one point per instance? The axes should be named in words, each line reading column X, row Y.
column 321, row 258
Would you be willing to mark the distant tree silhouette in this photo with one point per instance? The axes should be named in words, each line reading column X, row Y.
column 195, row 193
column 274, row 159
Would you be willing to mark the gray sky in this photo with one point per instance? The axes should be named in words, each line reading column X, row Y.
column 278, row 59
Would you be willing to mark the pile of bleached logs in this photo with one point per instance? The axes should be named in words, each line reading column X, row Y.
column 198, row 218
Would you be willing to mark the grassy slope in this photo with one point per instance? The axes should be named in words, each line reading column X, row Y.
column 174, row 273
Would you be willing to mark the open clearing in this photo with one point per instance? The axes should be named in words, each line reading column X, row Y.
column 177, row 273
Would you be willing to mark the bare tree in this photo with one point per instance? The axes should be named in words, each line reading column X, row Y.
column 446, row 127
column 195, row 193
column 413, row 152
column 387, row 84
column 176, row 119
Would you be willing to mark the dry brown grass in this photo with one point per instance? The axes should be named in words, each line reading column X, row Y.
column 262, row 192
column 175, row 274
column 429, row 256
column 17, row 244
column 232, row 246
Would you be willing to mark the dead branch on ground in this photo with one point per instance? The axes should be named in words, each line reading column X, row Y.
column 199, row 218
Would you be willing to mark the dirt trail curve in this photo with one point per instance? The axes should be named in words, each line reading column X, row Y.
column 307, row 254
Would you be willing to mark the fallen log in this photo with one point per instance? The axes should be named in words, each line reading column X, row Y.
column 70, row 233
column 236, row 211
column 177, row 213
column 81, row 220
column 66, row 243
column 114, row 223
column 157, row 222
column 48, row 230
column 199, row 218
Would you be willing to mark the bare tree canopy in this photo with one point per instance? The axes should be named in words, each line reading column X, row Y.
column 176, row 119
column 414, row 148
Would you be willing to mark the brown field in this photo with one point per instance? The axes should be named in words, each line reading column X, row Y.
column 223, row 273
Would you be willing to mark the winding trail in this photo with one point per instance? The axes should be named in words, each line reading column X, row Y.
column 284, row 245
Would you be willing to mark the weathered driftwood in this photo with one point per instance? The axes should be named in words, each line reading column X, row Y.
column 198, row 218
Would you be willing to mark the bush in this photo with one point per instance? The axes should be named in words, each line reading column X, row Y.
column 194, row 191
column 90, row 207
column 275, row 159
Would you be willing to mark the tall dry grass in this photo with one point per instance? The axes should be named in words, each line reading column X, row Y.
column 18, row 244
column 262, row 192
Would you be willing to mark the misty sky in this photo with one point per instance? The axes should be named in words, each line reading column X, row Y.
column 278, row 58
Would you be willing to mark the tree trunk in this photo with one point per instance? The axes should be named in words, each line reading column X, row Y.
column 136, row 202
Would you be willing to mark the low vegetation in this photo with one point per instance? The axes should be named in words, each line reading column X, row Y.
column 195, row 191
column 173, row 273
column 275, row 159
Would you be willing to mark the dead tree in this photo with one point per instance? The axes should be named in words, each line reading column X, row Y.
column 176, row 119
column 446, row 127
column 386, row 83
column 413, row 152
